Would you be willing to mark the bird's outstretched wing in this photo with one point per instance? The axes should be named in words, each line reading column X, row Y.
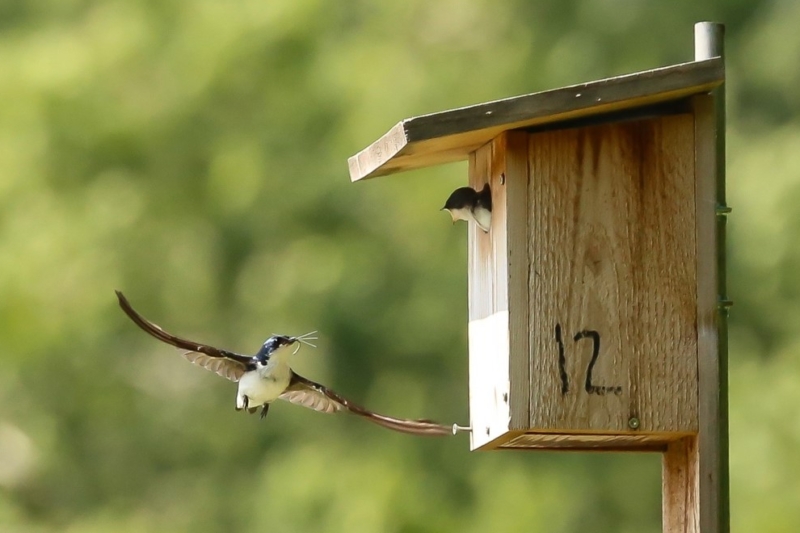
column 227, row 364
column 302, row 391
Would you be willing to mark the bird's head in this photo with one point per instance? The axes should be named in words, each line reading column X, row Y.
column 460, row 203
column 272, row 346
column 277, row 344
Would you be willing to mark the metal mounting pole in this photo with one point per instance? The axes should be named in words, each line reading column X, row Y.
column 695, row 496
column 710, row 42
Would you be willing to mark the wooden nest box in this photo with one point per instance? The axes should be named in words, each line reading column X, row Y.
column 593, row 297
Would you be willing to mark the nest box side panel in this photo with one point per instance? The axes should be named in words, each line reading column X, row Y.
column 613, row 280
column 499, row 365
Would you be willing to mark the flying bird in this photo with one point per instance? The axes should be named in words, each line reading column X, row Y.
column 465, row 203
column 267, row 376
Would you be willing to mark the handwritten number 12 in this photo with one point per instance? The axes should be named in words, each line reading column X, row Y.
column 562, row 362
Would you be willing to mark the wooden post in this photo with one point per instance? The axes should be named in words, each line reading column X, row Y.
column 695, row 470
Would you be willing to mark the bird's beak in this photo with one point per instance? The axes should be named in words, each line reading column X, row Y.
column 452, row 216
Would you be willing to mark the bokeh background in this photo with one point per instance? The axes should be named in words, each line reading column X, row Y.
column 193, row 154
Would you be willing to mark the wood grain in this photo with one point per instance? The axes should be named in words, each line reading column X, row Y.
column 651, row 442
column 453, row 135
column 612, row 249
column 516, row 173
column 692, row 495
column 499, row 319
column 680, row 501
column 708, row 457
column 489, row 380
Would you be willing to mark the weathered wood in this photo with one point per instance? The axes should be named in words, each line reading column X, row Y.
column 707, row 458
column 516, row 176
column 452, row 135
column 652, row 442
column 679, row 493
column 602, row 239
column 695, row 481
column 488, row 309
column 612, row 249
column 691, row 469
column 498, row 319
column 713, row 454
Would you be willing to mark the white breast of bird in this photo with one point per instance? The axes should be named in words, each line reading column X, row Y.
column 266, row 383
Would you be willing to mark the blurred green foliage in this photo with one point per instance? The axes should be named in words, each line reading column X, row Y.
column 193, row 154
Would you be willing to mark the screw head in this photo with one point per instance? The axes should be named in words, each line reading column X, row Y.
column 488, row 430
column 633, row 423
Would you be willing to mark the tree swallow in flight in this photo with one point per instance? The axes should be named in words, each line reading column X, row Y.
column 267, row 376
column 468, row 204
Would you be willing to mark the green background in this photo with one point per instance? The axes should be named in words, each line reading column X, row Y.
column 193, row 154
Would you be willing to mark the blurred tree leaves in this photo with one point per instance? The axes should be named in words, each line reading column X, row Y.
column 194, row 154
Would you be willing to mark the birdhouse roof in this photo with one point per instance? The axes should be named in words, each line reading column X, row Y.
column 452, row 135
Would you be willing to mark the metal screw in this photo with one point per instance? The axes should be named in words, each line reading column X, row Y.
column 505, row 397
column 488, row 430
column 633, row 423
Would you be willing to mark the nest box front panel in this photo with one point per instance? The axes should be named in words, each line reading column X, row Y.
column 583, row 296
column 613, row 290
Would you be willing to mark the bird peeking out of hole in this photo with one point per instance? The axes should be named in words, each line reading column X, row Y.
column 465, row 203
